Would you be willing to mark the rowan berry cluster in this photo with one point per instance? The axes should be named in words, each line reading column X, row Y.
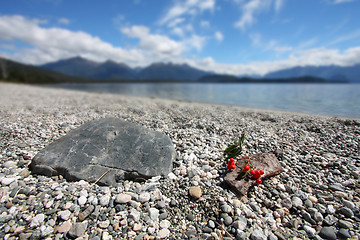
column 248, row 168
column 235, row 150
column 231, row 164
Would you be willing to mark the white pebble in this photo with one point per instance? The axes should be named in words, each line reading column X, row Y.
column 172, row 176
column 37, row 220
column 144, row 197
column 165, row 223
column 104, row 200
column 7, row 181
column 163, row 233
column 64, row 215
column 82, row 200
column 123, row 198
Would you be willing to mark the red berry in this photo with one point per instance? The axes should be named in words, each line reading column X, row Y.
column 261, row 172
column 252, row 172
column 257, row 172
column 258, row 181
column 246, row 168
column 231, row 160
column 231, row 165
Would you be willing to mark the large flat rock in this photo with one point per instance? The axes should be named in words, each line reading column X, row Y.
column 261, row 161
column 129, row 150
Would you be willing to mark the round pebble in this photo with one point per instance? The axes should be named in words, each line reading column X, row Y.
column 195, row 192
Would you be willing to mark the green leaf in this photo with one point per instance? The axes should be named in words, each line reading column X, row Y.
column 235, row 149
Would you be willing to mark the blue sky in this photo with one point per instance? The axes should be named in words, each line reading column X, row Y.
column 226, row 36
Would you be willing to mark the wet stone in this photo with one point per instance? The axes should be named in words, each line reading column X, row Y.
column 309, row 230
column 345, row 224
column 191, row 232
column 190, row 217
column 344, row 233
column 347, row 212
column 330, row 220
column 337, row 187
column 348, row 204
column 328, row 233
column 308, row 203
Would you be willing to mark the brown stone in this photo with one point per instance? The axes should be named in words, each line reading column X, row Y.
column 84, row 214
column 25, row 173
column 64, row 227
column 261, row 161
column 9, row 204
column 195, row 192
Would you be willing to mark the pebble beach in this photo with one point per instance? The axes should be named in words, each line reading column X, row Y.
column 317, row 196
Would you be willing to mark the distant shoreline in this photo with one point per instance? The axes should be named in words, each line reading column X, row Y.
column 159, row 81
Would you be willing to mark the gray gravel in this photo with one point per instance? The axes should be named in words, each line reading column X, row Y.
column 317, row 196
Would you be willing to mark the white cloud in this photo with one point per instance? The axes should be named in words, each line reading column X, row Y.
column 8, row 46
column 192, row 7
column 253, row 7
column 279, row 4
column 158, row 45
column 118, row 20
column 282, row 48
column 308, row 43
column 268, row 45
column 178, row 31
column 255, row 39
column 341, row 1
column 344, row 38
column 204, row 24
column 249, row 9
column 49, row 44
column 219, row 36
column 315, row 56
column 64, row 21
column 195, row 41
column 175, row 22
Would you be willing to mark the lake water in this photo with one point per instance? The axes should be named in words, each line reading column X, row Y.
column 324, row 99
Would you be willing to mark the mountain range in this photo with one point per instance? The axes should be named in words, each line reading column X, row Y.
column 82, row 70
column 330, row 73
column 11, row 71
column 81, row 67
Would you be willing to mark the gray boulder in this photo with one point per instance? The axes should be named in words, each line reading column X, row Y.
column 129, row 150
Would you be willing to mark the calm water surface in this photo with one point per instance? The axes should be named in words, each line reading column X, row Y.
column 325, row 99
